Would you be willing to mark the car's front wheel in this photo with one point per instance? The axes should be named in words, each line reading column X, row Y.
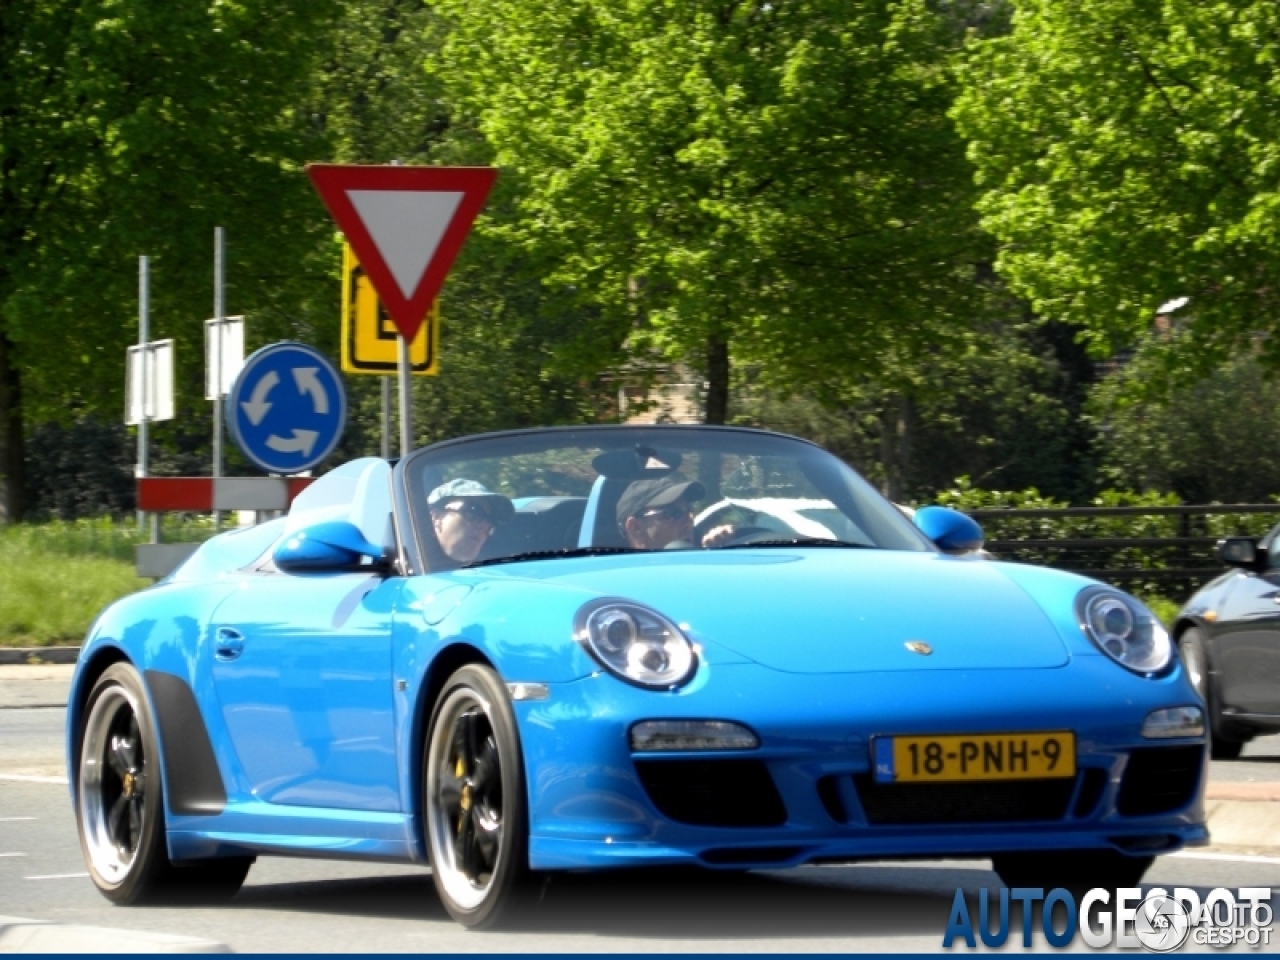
column 1071, row 869
column 120, row 803
column 118, row 807
column 474, row 807
column 1195, row 660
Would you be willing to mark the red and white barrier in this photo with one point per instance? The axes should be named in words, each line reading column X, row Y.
column 204, row 494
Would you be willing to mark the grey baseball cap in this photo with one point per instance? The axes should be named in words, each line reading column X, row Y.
column 658, row 492
column 499, row 508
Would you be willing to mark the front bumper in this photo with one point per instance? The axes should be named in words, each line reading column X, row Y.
column 590, row 808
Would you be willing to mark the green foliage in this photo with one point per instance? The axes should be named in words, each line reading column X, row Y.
column 968, row 498
column 1002, row 408
column 778, row 181
column 508, row 344
column 1129, row 153
column 1212, row 439
column 138, row 127
column 56, row 577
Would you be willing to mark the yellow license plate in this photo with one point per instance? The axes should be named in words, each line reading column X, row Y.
column 986, row 756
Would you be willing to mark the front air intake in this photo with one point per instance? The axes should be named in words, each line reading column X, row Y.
column 713, row 793
column 1159, row 780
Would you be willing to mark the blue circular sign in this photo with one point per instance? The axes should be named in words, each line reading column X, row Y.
column 287, row 408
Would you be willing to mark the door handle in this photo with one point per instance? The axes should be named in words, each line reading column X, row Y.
column 228, row 644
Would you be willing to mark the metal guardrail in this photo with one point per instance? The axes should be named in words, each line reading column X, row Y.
column 1187, row 561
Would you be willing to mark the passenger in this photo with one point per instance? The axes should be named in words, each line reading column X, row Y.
column 657, row 514
column 463, row 514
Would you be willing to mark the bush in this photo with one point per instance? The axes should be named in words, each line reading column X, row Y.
column 964, row 496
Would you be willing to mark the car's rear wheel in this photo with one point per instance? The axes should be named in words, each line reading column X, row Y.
column 474, row 807
column 1071, row 869
column 1195, row 660
column 120, row 803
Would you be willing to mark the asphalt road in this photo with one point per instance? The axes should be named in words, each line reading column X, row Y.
column 328, row 906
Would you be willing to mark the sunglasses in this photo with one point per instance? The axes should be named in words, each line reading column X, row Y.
column 671, row 513
column 471, row 512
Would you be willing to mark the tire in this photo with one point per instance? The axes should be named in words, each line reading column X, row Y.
column 120, row 803
column 1071, row 869
column 474, row 812
column 1195, row 660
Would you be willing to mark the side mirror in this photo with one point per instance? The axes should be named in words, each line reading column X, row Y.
column 333, row 545
column 951, row 530
column 1239, row 552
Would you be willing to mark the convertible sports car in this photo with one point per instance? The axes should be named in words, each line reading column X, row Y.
column 485, row 657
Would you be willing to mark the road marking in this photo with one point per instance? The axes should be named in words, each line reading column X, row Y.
column 57, row 876
column 1230, row 857
column 26, row 778
column 11, row 819
column 12, row 854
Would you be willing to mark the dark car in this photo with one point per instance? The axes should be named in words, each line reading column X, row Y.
column 1229, row 636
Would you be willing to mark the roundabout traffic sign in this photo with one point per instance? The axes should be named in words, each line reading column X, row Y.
column 287, row 408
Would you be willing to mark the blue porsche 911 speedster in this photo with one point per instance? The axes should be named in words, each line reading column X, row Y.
column 600, row 647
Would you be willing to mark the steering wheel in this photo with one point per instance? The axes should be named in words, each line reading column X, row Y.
column 744, row 535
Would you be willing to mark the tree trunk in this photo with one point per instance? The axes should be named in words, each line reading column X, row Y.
column 717, row 379
column 13, row 452
column 895, row 447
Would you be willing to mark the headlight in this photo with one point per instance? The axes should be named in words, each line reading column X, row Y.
column 635, row 643
column 1124, row 629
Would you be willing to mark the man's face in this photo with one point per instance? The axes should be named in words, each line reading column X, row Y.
column 462, row 526
column 655, row 527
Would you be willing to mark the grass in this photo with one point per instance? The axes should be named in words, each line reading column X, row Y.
column 56, row 577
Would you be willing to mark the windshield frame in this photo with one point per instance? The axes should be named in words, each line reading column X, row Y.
column 416, row 539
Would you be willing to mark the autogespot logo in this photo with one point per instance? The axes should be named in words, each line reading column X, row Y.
column 1160, row 922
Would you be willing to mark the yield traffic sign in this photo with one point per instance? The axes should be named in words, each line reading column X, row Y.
column 406, row 226
column 287, row 408
column 369, row 338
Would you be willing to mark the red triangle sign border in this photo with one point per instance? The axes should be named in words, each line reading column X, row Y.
column 334, row 182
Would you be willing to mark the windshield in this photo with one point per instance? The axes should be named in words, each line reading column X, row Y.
column 549, row 493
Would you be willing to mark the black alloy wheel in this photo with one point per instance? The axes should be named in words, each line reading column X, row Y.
column 120, row 803
column 474, row 807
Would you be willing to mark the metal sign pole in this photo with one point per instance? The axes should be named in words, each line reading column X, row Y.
column 386, row 417
column 143, row 333
column 406, row 396
column 216, row 360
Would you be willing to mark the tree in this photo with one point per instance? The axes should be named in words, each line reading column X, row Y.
column 508, row 355
column 1210, row 439
column 1005, row 411
column 727, row 182
column 1129, row 153
column 131, row 127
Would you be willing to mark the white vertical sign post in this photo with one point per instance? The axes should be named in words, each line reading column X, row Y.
column 224, row 354
column 144, row 307
column 218, row 309
column 406, row 397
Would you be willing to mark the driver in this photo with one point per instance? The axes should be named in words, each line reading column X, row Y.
column 464, row 514
column 657, row 514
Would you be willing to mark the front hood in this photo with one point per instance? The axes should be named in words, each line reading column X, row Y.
column 827, row 610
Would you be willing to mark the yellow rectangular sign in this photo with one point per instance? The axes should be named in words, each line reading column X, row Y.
column 1004, row 756
column 369, row 338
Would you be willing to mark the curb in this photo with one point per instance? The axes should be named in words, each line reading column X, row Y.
column 20, row 935
column 39, row 654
